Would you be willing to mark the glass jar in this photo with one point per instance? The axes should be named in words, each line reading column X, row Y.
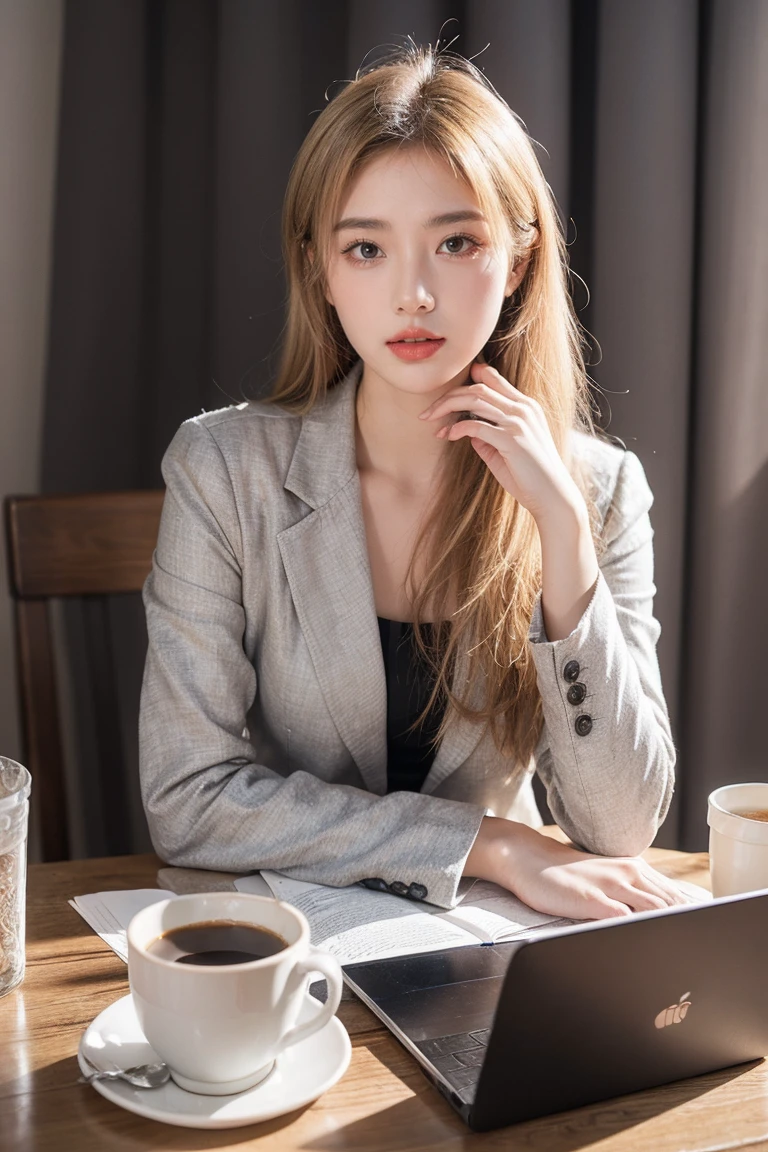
column 15, row 783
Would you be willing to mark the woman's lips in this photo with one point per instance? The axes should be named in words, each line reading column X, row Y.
column 419, row 350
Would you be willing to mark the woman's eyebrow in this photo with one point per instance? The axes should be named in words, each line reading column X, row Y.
column 370, row 223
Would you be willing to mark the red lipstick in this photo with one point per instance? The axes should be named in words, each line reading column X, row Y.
column 415, row 344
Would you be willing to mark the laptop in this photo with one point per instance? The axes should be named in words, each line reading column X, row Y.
column 569, row 1016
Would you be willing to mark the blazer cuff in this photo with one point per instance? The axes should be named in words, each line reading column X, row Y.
column 435, row 862
column 560, row 664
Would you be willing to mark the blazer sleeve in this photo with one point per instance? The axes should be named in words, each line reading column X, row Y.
column 607, row 760
column 209, row 802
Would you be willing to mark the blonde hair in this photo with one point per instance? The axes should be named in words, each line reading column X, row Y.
column 479, row 550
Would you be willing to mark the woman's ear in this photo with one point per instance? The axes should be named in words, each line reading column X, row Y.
column 516, row 273
column 519, row 267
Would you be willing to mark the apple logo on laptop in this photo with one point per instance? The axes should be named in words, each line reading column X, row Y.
column 675, row 1013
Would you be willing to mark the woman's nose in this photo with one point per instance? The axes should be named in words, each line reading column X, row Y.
column 412, row 293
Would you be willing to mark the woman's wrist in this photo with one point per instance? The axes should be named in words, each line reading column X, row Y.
column 569, row 571
column 492, row 856
column 476, row 863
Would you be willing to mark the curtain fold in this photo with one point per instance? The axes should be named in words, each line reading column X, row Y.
column 179, row 123
column 642, row 275
column 725, row 687
column 524, row 47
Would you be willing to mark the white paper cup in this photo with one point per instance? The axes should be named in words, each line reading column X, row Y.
column 738, row 846
column 219, row 1028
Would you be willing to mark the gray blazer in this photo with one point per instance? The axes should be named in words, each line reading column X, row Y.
column 263, row 707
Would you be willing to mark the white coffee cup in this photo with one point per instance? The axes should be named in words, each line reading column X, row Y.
column 738, row 845
column 220, row 1027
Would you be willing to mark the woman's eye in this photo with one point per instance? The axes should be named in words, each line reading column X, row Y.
column 366, row 252
column 472, row 245
column 455, row 243
column 367, row 249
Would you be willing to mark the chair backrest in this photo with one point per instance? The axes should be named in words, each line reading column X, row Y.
column 91, row 546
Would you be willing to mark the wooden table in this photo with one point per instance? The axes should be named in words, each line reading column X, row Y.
column 382, row 1104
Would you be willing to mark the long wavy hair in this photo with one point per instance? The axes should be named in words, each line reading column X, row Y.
column 478, row 551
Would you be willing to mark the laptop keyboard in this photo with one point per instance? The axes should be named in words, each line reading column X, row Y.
column 458, row 1059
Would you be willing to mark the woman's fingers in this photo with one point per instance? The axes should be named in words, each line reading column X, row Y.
column 619, row 887
column 596, row 904
column 468, row 397
column 669, row 886
column 620, row 899
column 492, row 434
column 669, row 892
column 485, row 374
column 641, row 900
column 639, row 886
column 648, row 879
column 482, row 409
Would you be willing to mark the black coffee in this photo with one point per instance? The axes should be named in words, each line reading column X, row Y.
column 217, row 942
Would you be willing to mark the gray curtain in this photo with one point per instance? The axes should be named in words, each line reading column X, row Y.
column 179, row 122
column 724, row 693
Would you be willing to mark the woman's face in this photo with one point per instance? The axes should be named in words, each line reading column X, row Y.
column 396, row 265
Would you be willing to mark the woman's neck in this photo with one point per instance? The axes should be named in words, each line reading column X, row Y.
column 391, row 440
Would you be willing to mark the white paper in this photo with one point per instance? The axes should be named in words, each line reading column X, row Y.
column 356, row 923
column 110, row 913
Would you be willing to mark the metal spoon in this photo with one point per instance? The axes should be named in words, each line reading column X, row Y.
column 141, row 1076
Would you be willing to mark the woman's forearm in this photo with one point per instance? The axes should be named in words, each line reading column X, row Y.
column 494, row 840
column 569, row 569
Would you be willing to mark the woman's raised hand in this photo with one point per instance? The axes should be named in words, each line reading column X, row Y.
column 562, row 881
column 511, row 434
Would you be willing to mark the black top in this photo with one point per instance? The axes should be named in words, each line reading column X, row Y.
column 409, row 683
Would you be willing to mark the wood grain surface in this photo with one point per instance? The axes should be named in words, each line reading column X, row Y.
column 81, row 543
column 383, row 1103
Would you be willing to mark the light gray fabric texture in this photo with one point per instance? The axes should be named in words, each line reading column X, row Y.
column 263, row 707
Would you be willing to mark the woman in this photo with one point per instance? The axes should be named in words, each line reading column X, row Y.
column 384, row 598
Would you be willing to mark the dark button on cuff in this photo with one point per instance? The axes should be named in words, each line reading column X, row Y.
column 376, row 883
column 397, row 888
column 417, row 892
column 571, row 671
column 576, row 693
column 583, row 724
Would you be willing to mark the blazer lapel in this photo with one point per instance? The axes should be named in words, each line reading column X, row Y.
column 326, row 562
column 325, row 556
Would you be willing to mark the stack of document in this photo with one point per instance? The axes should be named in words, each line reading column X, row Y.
column 355, row 923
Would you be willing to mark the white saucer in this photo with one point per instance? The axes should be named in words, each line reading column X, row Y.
column 301, row 1074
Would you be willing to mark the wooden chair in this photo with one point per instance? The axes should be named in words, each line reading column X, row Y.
column 90, row 546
